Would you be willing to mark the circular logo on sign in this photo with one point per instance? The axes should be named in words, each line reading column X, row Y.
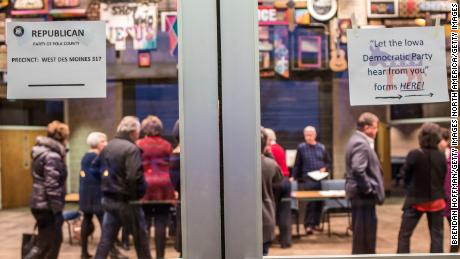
column 18, row 31
column 322, row 10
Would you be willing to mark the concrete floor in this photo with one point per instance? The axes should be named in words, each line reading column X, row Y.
column 15, row 222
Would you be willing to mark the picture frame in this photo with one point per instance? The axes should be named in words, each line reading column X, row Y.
column 309, row 54
column 382, row 8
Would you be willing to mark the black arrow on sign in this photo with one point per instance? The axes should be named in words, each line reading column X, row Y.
column 389, row 97
column 412, row 95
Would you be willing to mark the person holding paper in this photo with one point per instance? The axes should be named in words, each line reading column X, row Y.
column 311, row 156
column 364, row 183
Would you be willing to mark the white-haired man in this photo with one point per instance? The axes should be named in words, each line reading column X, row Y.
column 123, row 181
column 311, row 156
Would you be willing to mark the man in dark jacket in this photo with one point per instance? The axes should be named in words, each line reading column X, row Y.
column 122, row 182
column 49, row 175
column 364, row 183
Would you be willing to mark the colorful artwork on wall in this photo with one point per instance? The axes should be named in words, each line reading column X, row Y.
column 309, row 49
column 171, row 28
column 281, row 52
column 130, row 19
column 382, row 8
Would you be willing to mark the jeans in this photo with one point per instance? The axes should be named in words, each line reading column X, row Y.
column 282, row 193
column 131, row 217
column 410, row 219
column 160, row 215
column 49, row 237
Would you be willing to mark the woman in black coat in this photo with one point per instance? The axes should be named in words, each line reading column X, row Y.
column 90, row 188
column 49, row 173
column 425, row 170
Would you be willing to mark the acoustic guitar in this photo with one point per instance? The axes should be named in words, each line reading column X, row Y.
column 338, row 63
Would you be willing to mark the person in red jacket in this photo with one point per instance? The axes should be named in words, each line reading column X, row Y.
column 155, row 159
column 281, row 190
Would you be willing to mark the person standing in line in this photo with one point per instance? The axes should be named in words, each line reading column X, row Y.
column 174, row 173
column 444, row 146
column 364, row 183
column 49, row 173
column 282, row 191
column 271, row 174
column 90, row 191
column 155, row 159
column 311, row 156
column 122, row 182
column 424, row 174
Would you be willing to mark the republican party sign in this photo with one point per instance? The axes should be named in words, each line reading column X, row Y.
column 397, row 66
column 56, row 60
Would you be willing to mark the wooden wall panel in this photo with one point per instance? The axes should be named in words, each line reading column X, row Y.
column 16, row 180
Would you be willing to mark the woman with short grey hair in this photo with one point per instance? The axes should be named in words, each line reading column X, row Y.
column 90, row 188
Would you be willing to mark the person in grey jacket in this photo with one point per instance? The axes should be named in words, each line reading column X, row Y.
column 364, row 183
column 271, row 174
column 49, row 175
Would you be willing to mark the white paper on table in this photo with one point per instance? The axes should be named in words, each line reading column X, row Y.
column 333, row 193
column 318, row 175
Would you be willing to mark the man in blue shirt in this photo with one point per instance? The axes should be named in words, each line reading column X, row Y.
column 311, row 156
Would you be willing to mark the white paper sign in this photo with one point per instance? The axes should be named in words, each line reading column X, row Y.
column 56, row 60
column 397, row 66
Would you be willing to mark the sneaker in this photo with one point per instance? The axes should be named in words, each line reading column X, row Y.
column 115, row 254
column 317, row 229
column 309, row 230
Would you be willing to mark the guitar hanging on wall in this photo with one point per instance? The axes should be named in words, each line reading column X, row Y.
column 338, row 63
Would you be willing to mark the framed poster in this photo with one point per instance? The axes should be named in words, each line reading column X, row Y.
column 309, row 49
column 309, row 52
column 382, row 8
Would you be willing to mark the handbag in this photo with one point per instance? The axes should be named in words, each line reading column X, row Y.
column 66, row 3
column 28, row 242
column 28, row 4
